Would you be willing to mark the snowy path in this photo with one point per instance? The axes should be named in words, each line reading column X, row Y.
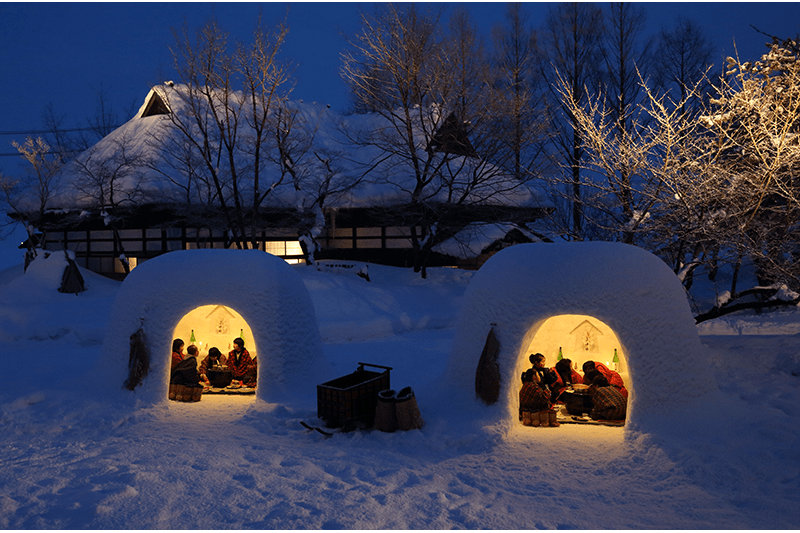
column 227, row 462
column 204, row 468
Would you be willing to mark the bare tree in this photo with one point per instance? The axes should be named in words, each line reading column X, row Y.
column 518, row 105
column 403, row 46
column 755, row 119
column 718, row 188
column 625, row 57
column 684, row 57
column 113, row 176
column 67, row 142
column 225, row 115
column 64, row 145
column 42, row 177
column 419, row 81
column 570, row 51
column 29, row 197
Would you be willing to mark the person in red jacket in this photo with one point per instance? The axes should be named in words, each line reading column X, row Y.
column 240, row 363
column 566, row 377
column 177, row 353
column 614, row 379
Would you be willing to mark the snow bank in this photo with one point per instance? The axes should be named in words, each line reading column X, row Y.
column 262, row 288
column 628, row 289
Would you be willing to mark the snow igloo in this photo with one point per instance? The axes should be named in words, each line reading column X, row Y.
column 216, row 296
column 586, row 299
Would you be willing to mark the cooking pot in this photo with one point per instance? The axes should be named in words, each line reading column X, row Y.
column 219, row 378
column 577, row 401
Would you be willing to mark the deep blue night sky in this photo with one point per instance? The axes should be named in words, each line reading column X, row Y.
column 64, row 53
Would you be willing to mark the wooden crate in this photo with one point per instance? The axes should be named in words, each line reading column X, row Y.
column 351, row 399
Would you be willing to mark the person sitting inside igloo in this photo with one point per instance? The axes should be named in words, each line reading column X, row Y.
column 566, row 377
column 243, row 368
column 185, row 372
column 608, row 403
column 591, row 369
column 534, row 395
column 547, row 376
column 214, row 359
column 177, row 353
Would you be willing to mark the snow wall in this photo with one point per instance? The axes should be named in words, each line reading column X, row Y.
column 627, row 288
column 262, row 288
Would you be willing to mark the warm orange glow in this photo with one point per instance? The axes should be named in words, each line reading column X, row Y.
column 581, row 338
column 214, row 325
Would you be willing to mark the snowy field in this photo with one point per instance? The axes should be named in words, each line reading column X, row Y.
column 71, row 460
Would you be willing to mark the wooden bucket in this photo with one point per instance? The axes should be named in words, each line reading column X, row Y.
column 385, row 412
column 180, row 393
column 197, row 393
column 408, row 415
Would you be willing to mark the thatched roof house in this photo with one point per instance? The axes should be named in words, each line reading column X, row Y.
column 146, row 189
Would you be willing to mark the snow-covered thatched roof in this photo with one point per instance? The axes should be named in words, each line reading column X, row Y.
column 477, row 237
column 148, row 157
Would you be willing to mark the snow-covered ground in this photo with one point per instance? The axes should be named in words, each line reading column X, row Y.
column 73, row 460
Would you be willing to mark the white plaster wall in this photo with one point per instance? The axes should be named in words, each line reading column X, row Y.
column 627, row 288
column 262, row 288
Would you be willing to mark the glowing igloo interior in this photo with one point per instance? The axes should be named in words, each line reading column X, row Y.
column 210, row 326
column 580, row 338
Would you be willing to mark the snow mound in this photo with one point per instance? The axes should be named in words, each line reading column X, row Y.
column 46, row 271
column 627, row 288
column 262, row 288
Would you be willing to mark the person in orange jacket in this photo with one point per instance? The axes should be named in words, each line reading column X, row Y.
column 614, row 379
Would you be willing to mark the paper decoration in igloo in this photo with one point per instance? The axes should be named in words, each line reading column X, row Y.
column 208, row 298
column 589, row 301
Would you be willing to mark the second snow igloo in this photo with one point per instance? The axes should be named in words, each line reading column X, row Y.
column 587, row 299
column 261, row 296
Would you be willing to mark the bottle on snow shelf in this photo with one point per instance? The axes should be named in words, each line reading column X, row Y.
column 615, row 360
column 560, row 355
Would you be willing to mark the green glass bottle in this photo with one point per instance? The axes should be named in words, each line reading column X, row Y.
column 560, row 355
column 615, row 360
column 192, row 339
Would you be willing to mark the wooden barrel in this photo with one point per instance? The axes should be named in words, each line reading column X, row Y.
column 408, row 415
column 385, row 413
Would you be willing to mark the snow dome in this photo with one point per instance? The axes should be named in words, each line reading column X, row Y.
column 216, row 296
column 587, row 299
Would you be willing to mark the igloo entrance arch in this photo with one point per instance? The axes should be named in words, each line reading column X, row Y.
column 626, row 288
column 579, row 338
column 215, row 326
column 263, row 289
column 210, row 326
